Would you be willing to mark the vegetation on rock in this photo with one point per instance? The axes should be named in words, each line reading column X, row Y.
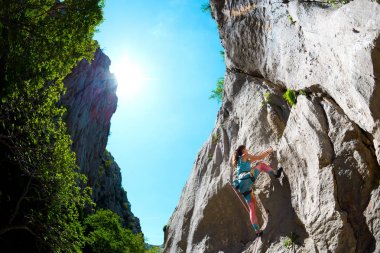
column 290, row 96
column 218, row 92
column 334, row 2
column 290, row 240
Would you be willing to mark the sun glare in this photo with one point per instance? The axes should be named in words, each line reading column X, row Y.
column 130, row 78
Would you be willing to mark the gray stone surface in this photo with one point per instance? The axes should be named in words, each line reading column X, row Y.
column 108, row 192
column 337, row 48
column 306, row 152
column 91, row 100
column 328, row 143
column 372, row 214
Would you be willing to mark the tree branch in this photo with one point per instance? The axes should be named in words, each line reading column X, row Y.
column 19, row 201
column 20, row 227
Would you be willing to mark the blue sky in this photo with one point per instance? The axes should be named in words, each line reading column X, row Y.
column 165, row 55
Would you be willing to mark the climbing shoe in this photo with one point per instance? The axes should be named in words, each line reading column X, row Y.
column 278, row 173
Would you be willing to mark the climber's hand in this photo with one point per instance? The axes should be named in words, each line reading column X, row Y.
column 268, row 151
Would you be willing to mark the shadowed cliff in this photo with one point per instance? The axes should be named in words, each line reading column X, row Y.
column 91, row 101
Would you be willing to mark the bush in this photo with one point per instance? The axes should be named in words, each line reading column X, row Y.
column 154, row 249
column 104, row 233
column 290, row 240
column 290, row 96
column 218, row 92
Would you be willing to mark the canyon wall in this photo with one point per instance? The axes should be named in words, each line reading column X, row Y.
column 328, row 143
column 91, row 101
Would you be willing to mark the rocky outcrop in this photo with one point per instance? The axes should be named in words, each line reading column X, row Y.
column 91, row 100
column 328, row 143
column 109, row 194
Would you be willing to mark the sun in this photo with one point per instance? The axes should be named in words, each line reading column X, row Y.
column 130, row 77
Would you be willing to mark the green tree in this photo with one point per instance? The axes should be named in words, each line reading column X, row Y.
column 105, row 234
column 218, row 92
column 40, row 194
column 154, row 249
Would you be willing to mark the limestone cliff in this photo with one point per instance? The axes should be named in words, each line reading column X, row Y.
column 91, row 101
column 328, row 143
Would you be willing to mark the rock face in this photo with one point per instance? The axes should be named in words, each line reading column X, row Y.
column 109, row 194
column 91, row 101
column 328, row 143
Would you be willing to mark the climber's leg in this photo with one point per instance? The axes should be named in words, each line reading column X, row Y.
column 266, row 168
column 250, row 199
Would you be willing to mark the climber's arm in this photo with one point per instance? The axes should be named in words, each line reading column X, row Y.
column 260, row 156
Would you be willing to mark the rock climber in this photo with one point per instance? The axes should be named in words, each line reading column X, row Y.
column 245, row 176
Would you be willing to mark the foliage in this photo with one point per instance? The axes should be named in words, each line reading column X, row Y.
column 288, row 243
column 104, row 233
column 218, row 92
column 302, row 92
column 266, row 99
column 108, row 163
column 290, row 96
column 335, row 2
column 41, row 41
column 222, row 54
column 154, row 249
column 164, row 228
column 291, row 20
column 206, row 7
column 290, row 240
column 215, row 138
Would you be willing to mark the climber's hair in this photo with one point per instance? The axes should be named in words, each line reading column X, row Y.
column 238, row 153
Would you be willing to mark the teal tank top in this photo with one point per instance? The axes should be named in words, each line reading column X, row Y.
column 243, row 166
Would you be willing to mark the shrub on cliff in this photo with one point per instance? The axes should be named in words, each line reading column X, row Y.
column 218, row 92
column 290, row 96
column 40, row 198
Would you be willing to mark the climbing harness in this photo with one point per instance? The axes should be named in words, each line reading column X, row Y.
column 244, row 177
